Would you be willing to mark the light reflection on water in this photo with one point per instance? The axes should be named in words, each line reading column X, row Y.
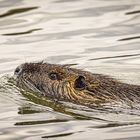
column 100, row 36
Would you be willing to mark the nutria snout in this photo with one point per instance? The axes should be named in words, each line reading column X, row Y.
column 74, row 85
column 18, row 70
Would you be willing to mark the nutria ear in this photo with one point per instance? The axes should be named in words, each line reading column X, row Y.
column 80, row 83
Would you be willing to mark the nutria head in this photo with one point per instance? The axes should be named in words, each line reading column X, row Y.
column 56, row 81
column 63, row 83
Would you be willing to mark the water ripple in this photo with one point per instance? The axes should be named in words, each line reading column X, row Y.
column 17, row 11
column 99, row 35
column 22, row 33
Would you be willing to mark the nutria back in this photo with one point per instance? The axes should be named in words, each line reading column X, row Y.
column 62, row 83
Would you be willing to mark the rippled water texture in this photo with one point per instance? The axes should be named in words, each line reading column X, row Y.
column 101, row 36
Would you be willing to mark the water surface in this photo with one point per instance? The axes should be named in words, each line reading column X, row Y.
column 101, row 36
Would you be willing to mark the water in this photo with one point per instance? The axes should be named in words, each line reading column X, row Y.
column 101, row 36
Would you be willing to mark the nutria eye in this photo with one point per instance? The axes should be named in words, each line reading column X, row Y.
column 53, row 76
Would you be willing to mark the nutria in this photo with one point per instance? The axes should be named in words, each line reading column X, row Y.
column 63, row 83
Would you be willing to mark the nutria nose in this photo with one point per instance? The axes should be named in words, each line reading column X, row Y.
column 18, row 70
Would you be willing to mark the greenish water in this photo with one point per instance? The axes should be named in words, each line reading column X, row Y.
column 101, row 36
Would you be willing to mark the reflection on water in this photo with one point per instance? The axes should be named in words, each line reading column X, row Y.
column 17, row 11
column 20, row 33
column 131, row 55
column 133, row 12
column 130, row 38
column 97, row 35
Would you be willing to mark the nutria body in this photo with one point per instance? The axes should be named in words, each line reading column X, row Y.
column 62, row 83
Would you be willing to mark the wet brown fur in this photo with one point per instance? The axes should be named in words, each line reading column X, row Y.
column 92, row 89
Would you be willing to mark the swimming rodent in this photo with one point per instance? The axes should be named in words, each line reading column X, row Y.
column 63, row 83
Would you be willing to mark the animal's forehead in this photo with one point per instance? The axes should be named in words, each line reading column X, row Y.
column 56, row 68
column 44, row 67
